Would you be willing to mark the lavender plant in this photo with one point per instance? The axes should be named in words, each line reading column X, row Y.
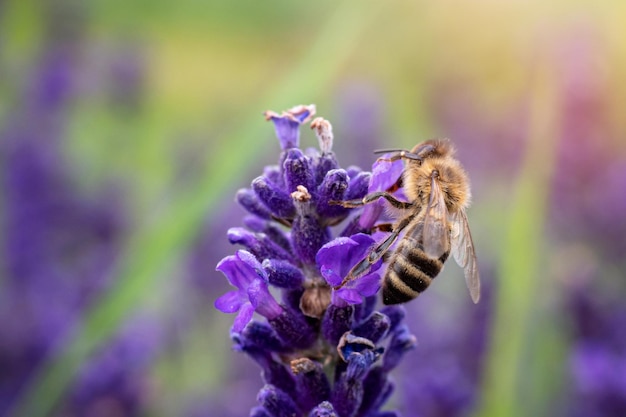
column 322, row 352
column 597, row 359
column 60, row 247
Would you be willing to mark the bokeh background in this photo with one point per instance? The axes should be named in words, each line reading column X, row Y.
column 127, row 127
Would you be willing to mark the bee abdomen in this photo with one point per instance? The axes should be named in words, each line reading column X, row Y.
column 409, row 273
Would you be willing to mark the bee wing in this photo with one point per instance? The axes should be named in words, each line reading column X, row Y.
column 435, row 235
column 463, row 252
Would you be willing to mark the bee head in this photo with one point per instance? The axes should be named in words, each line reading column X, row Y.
column 434, row 148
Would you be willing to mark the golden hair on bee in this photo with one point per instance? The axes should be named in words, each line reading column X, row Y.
column 452, row 178
column 433, row 223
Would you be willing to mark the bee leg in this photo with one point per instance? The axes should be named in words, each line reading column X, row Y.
column 378, row 252
column 397, row 185
column 403, row 205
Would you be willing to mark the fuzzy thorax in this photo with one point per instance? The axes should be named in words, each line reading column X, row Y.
column 452, row 179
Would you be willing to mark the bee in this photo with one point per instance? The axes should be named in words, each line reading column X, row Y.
column 433, row 221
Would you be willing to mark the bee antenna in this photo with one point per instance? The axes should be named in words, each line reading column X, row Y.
column 379, row 151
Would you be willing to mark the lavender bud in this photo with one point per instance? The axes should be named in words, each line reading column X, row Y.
column 308, row 236
column 277, row 200
column 376, row 389
column 277, row 374
column 336, row 322
column 325, row 409
column 273, row 372
column 332, row 188
column 348, row 392
column 259, row 412
column 274, row 175
column 374, row 328
column 297, row 171
column 364, row 309
column 353, row 171
column 395, row 313
column 277, row 402
column 261, row 336
column 312, row 386
column 326, row 162
column 283, row 274
column 293, row 329
column 259, row 244
column 358, row 185
column 401, row 342
column 273, row 231
column 249, row 201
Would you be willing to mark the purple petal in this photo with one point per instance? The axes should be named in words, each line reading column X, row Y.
column 287, row 125
column 333, row 260
column 337, row 300
column 249, row 259
column 368, row 284
column 262, row 300
column 245, row 315
column 337, row 257
column 287, row 132
column 350, row 295
column 359, row 184
column 384, row 175
column 371, row 213
column 237, row 273
column 230, row 302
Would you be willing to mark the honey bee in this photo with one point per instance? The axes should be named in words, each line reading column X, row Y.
column 433, row 220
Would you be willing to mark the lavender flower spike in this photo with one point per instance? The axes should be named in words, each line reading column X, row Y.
column 311, row 331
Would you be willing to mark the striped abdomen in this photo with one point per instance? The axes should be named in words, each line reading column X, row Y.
column 409, row 271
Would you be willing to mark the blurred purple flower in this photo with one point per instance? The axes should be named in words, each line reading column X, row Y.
column 59, row 246
column 590, row 168
column 597, row 358
column 111, row 383
column 290, row 246
column 443, row 377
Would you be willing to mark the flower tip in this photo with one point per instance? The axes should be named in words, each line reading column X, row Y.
column 288, row 122
column 223, row 264
column 324, row 132
column 301, row 194
column 269, row 114
column 303, row 113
